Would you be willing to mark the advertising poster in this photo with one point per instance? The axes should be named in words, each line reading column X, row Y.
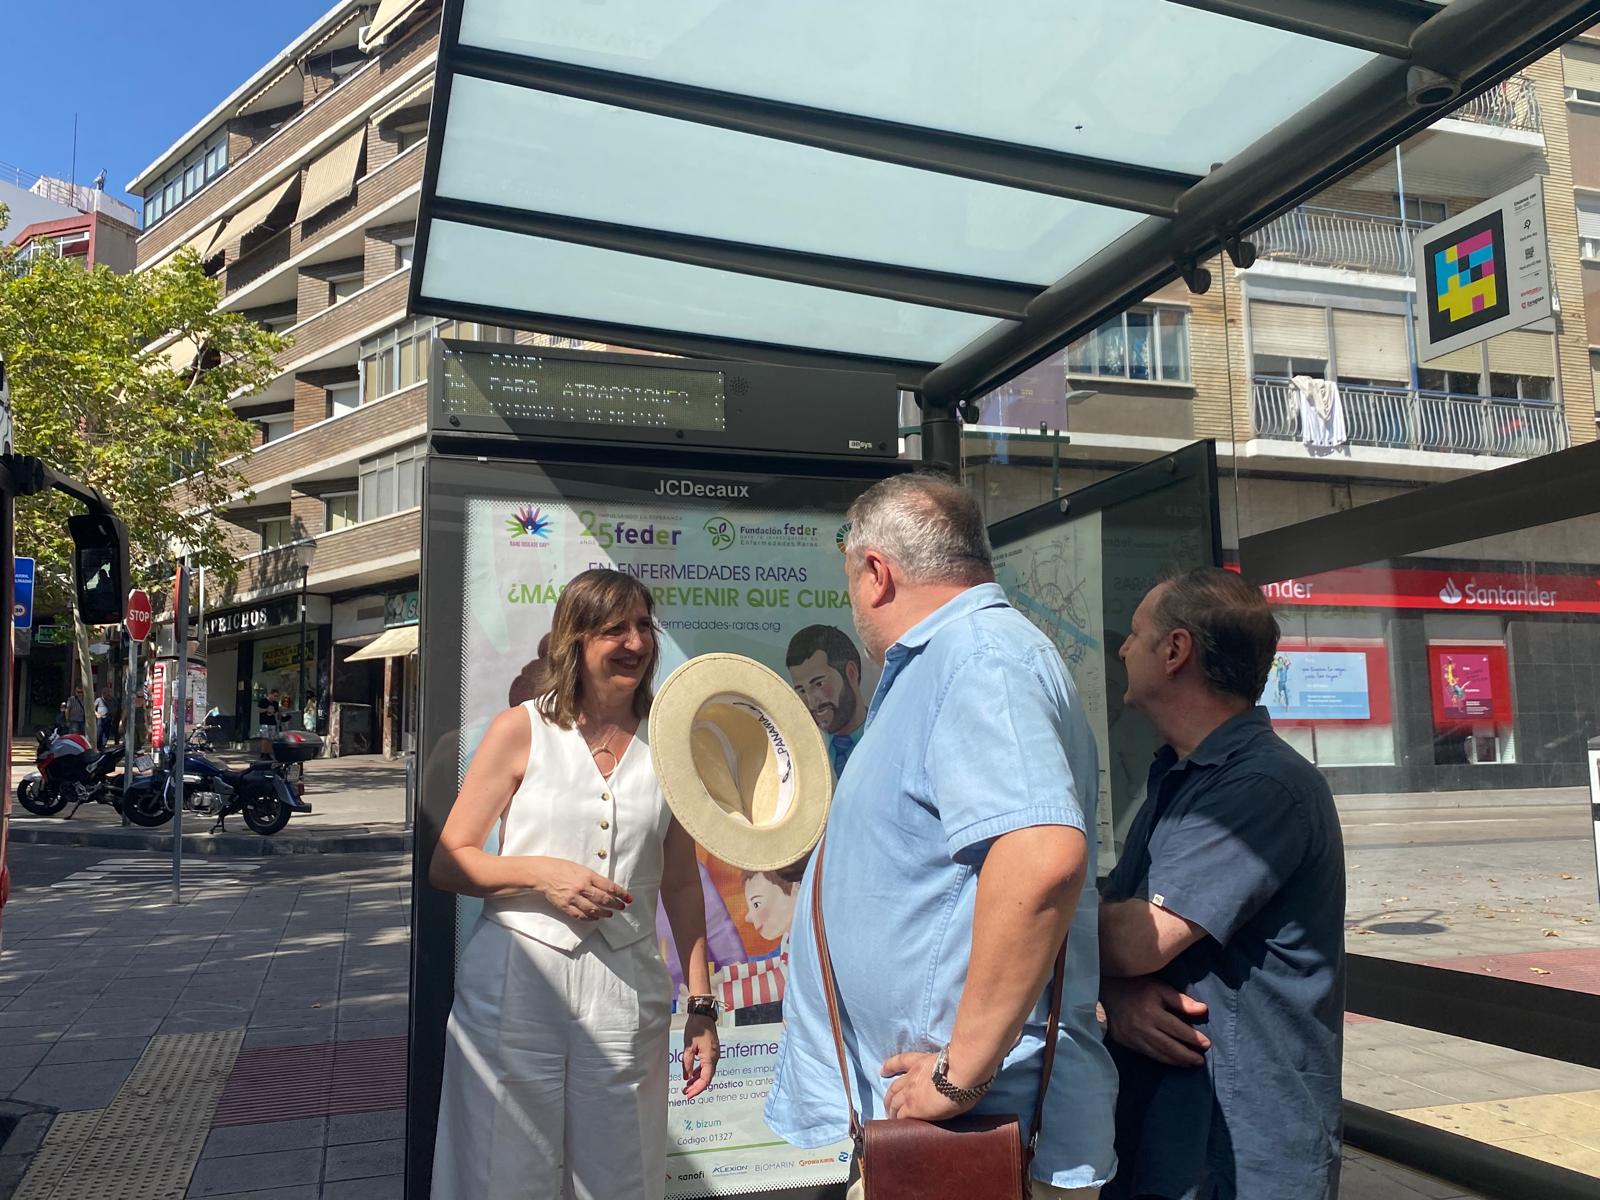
column 1466, row 686
column 728, row 577
column 1318, row 685
column 1054, row 578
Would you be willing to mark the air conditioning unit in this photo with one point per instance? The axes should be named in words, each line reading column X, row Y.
column 361, row 38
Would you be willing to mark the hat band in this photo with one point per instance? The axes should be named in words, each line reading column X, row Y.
column 780, row 748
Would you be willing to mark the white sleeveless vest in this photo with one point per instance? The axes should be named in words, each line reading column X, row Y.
column 565, row 808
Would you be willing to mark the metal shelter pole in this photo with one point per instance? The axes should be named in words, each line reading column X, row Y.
column 941, row 437
column 179, row 734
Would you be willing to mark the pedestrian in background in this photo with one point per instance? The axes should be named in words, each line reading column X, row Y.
column 1222, row 928
column 73, row 710
column 105, row 717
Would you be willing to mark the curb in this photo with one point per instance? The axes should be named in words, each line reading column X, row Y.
column 224, row 845
column 1576, row 797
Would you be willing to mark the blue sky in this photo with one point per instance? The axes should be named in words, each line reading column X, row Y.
column 138, row 75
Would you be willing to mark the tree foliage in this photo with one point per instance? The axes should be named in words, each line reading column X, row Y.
column 123, row 382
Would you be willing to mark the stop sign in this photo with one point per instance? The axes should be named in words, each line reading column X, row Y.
column 138, row 621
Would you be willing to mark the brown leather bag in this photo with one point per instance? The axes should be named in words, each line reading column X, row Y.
column 970, row 1156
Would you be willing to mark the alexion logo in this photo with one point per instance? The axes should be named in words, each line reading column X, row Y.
column 1450, row 593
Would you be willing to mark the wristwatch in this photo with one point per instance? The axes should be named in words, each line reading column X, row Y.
column 702, row 1006
column 950, row 1091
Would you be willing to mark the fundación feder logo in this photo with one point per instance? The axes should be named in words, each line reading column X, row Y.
column 529, row 522
column 722, row 533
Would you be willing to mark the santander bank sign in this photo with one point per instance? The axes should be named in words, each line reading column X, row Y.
column 1477, row 594
column 1413, row 588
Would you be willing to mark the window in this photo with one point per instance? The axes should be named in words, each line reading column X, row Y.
column 342, row 287
column 1455, row 383
column 343, row 398
column 344, row 510
column 394, row 360
column 277, row 532
column 198, row 168
column 275, row 427
column 391, row 483
column 1423, row 212
column 1520, row 387
column 408, row 135
column 1143, row 344
column 279, row 323
column 399, row 358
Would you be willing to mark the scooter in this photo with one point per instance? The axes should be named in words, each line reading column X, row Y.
column 265, row 793
column 68, row 770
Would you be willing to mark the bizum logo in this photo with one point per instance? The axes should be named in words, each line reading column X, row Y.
column 1450, row 593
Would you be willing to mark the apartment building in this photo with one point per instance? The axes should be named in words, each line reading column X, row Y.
column 299, row 193
column 1330, row 297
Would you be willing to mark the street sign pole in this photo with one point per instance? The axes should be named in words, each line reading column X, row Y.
column 130, row 725
column 179, row 734
column 138, row 628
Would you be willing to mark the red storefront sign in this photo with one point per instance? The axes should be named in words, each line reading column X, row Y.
column 1445, row 591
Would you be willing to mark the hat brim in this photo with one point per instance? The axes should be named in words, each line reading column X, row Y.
column 734, row 840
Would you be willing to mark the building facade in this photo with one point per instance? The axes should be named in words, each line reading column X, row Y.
column 1449, row 658
column 299, row 193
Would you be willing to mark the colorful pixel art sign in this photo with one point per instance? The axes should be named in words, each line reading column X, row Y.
column 1483, row 273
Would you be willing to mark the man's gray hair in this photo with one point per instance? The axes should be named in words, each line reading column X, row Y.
column 927, row 525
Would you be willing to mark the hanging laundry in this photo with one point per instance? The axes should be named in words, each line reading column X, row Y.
column 1322, row 427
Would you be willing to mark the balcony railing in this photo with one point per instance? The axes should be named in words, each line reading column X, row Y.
column 1438, row 422
column 1329, row 237
column 1510, row 104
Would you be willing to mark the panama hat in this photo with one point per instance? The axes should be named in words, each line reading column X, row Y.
column 741, row 761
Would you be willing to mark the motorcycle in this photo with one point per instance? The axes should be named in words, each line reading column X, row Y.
column 68, row 770
column 265, row 793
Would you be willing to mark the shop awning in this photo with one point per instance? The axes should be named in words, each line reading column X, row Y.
column 388, row 17
column 949, row 192
column 331, row 177
column 411, row 96
column 391, row 643
column 253, row 215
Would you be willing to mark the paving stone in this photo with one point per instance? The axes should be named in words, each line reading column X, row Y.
column 246, row 1172
column 388, row 1187
column 345, row 1128
column 231, row 1141
column 94, row 1050
column 364, row 1160
column 74, row 1087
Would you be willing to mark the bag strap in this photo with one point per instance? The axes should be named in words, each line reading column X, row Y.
column 830, row 990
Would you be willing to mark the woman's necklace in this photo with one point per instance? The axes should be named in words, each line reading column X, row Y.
column 604, row 748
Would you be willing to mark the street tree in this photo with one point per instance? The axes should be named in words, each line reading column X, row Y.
column 123, row 382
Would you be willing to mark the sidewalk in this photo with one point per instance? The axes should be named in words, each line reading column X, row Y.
column 358, row 808
column 248, row 1043
column 252, row 1038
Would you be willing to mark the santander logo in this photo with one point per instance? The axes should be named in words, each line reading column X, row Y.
column 1450, row 593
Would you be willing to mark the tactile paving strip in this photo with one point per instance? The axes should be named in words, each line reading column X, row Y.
column 145, row 1144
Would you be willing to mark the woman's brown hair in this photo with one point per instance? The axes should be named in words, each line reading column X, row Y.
column 591, row 603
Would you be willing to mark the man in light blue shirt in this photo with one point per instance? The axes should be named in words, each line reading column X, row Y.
column 957, row 857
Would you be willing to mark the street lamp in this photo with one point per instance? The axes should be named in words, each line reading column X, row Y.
column 304, row 552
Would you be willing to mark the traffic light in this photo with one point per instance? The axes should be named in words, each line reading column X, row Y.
column 100, row 567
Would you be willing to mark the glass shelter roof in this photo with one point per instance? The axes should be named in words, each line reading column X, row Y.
column 944, row 190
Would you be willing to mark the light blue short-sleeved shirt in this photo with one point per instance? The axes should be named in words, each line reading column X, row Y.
column 975, row 731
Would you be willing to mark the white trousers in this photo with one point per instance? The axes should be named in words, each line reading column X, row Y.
column 555, row 1072
column 1038, row 1191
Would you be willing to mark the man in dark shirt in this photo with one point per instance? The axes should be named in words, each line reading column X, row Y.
column 1222, row 926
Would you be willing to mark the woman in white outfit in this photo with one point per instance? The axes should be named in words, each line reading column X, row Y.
column 555, row 1076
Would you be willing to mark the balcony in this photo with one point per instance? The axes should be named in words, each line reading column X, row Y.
column 1435, row 422
column 344, row 322
column 356, row 556
column 1330, row 237
column 335, row 108
column 373, row 193
column 1510, row 104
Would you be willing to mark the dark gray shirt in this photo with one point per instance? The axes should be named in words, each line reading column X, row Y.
column 1242, row 839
